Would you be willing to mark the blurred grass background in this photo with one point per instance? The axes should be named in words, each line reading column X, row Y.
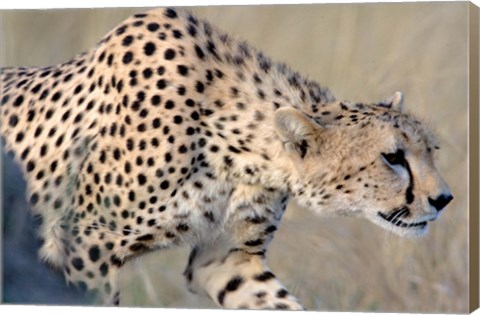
column 363, row 52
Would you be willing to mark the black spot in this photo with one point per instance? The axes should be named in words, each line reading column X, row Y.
column 221, row 297
column 146, row 237
column 192, row 30
column 240, row 106
column 199, row 87
column 182, row 227
column 116, row 200
column 252, row 243
column 128, row 57
column 127, row 40
column 265, row 276
column 169, row 104
column 169, row 54
column 161, row 84
column 182, row 149
column 66, row 115
column 25, row 153
column 142, row 179
column 116, row 154
column 181, row 90
column 182, row 70
column 141, row 127
column 110, row 60
column 209, row 216
column 104, row 269
column 156, row 123
column 281, row 306
column 18, row 101
column 137, row 247
column 121, row 30
column 152, row 27
column 56, row 96
column 131, row 195
column 282, row 293
column 155, row 100
column 77, row 263
column 30, row 166
column 147, row 73
column 256, row 219
column 116, row 261
column 6, row 97
column 164, row 185
column 170, row 13
column 78, row 89
column 228, row 161
column 94, row 253
column 270, row 229
column 49, row 114
column 234, row 284
column 190, row 103
column 177, row 119
column 233, row 149
column 199, row 52
column 13, row 120
column 34, row 199
column 213, row 49
column 149, row 48
column 43, row 95
column 177, row 34
column 37, row 87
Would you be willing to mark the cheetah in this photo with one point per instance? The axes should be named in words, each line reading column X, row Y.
column 171, row 133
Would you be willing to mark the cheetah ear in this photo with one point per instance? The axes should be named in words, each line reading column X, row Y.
column 394, row 102
column 295, row 130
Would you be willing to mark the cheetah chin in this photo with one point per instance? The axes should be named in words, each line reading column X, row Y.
column 395, row 222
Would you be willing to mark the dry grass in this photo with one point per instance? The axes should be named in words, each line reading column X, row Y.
column 362, row 52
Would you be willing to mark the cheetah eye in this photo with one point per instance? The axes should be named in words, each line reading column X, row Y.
column 397, row 158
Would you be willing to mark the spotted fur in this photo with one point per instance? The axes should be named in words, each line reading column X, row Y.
column 170, row 133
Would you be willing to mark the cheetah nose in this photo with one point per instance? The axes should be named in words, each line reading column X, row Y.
column 441, row 202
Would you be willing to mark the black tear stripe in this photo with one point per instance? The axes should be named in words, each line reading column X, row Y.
column 409, row 192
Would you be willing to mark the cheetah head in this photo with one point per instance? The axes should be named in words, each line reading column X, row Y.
column 369, row 160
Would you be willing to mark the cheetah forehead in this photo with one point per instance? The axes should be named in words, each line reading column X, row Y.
column 355, row 117
column 414, row 132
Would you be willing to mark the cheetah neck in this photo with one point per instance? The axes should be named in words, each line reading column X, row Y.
column 239, row 107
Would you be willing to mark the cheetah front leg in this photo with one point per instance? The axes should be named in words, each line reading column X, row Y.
column 233, row 269
column 237, row 278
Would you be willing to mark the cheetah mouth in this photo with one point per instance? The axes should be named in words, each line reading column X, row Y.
column 395, row 218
